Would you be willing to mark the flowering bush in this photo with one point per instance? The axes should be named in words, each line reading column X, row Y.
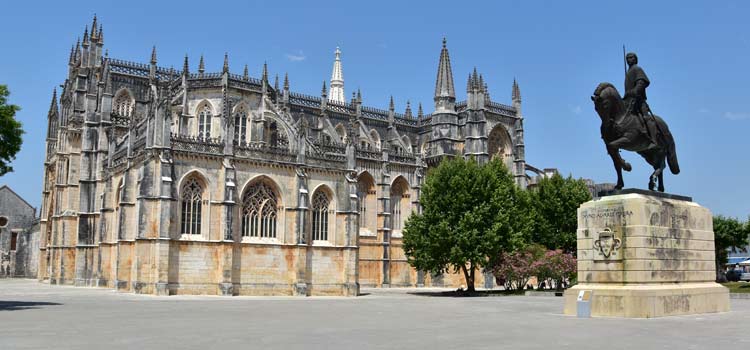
column 558, row 267
column 514, row 270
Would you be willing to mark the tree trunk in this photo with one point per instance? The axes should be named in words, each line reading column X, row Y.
column 470, row 280
column 469, row 277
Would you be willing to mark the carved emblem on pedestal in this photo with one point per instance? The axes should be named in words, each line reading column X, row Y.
column 607, row 245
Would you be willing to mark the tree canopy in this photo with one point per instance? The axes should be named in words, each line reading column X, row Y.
column 10, row 132
column 556, row 201
column 728, row 232
column 470, row 213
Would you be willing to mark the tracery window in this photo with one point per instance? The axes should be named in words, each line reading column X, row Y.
column 320, row 204
column 240, row 125
column 259, row 211
column 123, row 104
column 204, row 122
column 192, row 206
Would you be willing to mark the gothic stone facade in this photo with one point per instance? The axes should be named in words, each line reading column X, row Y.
column 176, row 182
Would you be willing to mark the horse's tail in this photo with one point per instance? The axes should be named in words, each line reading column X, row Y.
column 674, row 165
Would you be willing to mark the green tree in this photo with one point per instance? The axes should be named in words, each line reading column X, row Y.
column 470, row 213
column 728, row 232
column 556, row 201
column 10, row 132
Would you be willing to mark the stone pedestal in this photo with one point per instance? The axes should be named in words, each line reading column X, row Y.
column 646, row 256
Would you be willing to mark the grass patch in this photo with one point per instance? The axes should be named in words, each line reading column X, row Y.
column 737, row 287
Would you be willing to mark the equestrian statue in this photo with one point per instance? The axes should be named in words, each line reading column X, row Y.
column 627, row 123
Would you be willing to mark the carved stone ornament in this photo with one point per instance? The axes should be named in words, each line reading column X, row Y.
column 607, row 245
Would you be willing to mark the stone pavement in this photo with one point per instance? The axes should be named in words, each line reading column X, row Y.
column 39, row 316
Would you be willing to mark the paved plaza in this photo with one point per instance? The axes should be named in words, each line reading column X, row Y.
column 40, row 316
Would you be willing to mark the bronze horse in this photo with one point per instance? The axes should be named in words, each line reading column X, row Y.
column 621, row 130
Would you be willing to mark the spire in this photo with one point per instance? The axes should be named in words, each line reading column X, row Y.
column 407, row 113
column 286, row 81
column 100, row 35
column 444, row 91
column 265, row 72
column 324, row 92
column 93, row 29
column 276, row 82
column 337, row 79
column 86, row 36
column 53, row 104
column 201, row 66
column 359, row 96
column 153, row 55
column 245, row 74
column 391, row 106
column 516, row 95
column 72, row 55
column 77, row 54
column 420, row 113
column 185, row 65
column 225, row 68
column 480, row 83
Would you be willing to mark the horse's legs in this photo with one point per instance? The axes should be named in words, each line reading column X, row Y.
column 657, row 160
column 617, row 161
column 613, row 149
column 662, row 166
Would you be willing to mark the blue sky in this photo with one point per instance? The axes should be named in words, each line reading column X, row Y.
column 696, row 54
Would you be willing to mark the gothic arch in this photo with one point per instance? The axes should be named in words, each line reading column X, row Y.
column 277, row 132
column 194, row 172
column 193, row 197
column 500, row 144
column 124, row 103
column 400, row 203
column 322, row 205
column 406, row 141
column 341, row 131
column 205, row 113
column 205, row 102
column 375, row 136
column 261, row 210
column 267, row 180
column 240, row 114
column 368, row 203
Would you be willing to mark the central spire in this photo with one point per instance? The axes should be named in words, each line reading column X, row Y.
column 337, row 80
column 445, row 95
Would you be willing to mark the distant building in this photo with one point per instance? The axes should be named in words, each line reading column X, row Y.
column 19, row 236
column 539, row 174
column 596, row 189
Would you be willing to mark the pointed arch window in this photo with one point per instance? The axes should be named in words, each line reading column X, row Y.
column 124, row 104
column 399, row 203
column 259, row 211
column 204, row 122
column 192, row 206
column 240, row 125
column 320, row 205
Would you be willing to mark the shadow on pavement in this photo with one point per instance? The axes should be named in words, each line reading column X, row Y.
column 464, row 294
column 23, row 305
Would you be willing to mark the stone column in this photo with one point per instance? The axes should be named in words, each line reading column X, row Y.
column 385, row 214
